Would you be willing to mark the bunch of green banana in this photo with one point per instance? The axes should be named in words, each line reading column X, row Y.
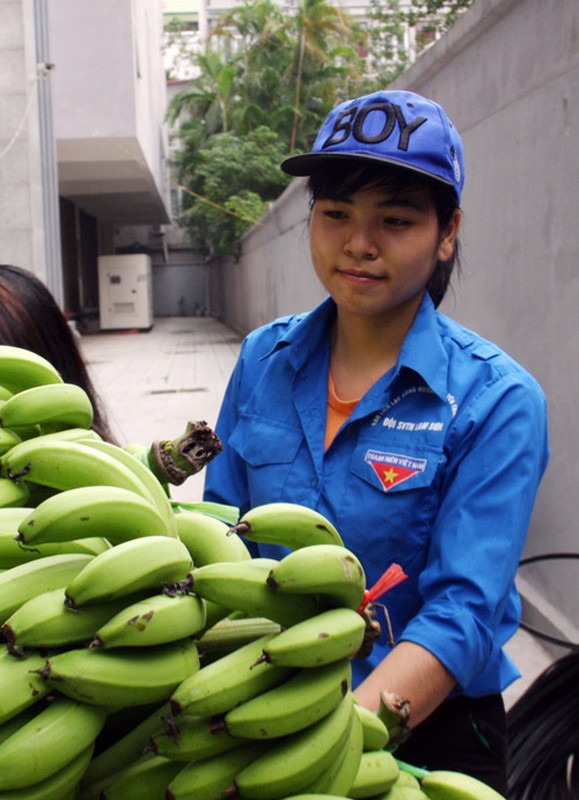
column 289, row 524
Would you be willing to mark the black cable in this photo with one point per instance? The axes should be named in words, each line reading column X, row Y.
column 543, row 725
column 543, row 736
column 574, row 646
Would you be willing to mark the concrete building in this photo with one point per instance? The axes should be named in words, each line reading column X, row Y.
column 83, row 100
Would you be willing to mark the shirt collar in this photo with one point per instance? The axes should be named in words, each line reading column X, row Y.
column 422, row 351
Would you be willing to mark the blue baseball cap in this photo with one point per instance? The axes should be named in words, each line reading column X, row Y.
column 393, row 127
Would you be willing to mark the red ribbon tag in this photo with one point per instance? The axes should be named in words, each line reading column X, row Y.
column 391, row 578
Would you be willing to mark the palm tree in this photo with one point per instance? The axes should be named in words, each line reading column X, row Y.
column 320, row 26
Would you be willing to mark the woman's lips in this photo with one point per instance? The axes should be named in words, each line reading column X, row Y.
column 360, row 277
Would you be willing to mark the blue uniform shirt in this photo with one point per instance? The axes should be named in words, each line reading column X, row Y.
column 436, row 469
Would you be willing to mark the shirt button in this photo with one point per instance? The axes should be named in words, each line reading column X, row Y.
column 314, row 483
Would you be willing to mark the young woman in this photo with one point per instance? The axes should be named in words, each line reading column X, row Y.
column 422, row 442
column 31, row 318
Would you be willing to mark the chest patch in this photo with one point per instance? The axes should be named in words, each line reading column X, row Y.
column 394, row 468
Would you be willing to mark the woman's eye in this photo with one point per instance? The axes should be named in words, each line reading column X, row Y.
column 396, row 222
column 334, row 213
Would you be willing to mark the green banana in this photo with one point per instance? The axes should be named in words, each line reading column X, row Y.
column 193, row 738
column 57, row 734
column 376, row 774
column 21, row 686
column 405, row 787
column 13, row 724
column 338, row 778
column 20, row 583
column 296, row 704
column 150, row 562
column 375, row 731
column 208, row 539
column 13, row 493
column 326, row 637
column 227, row 682
column 157, row 620
column 121, row 678
column 127, row 749
column 328, row 570
column 10, row 519
column 64, row 405
column 449, row 785
column 228, row 634
column 12, row 553
column 147, row 779
column 62, row 465
column 210, row 778
column 21, row 369
column 8, row 439
column 62, row 785
column 44, row 621
column 242, row 585
column 89, row 511
column 288, row 524
column 401, row 793
column 71, row 435
column 293, row 762
column 156, row 491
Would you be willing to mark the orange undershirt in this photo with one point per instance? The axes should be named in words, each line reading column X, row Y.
column 338, row 412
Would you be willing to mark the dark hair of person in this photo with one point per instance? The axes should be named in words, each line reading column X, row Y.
column 340, row 180
column 31, row 318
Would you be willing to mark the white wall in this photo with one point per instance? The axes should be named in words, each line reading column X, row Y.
column 508, row 76
column 21, row 206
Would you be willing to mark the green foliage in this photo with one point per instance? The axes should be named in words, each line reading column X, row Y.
column 235, row 178
column 265, row 82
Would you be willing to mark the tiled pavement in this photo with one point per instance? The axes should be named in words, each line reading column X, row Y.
column 153, row 382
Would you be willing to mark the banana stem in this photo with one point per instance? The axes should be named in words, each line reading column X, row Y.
column 175, row 460
column 418, row 772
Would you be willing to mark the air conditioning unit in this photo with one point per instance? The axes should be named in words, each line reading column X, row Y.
column 125, row 292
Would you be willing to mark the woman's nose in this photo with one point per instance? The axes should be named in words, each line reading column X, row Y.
column 361, row 243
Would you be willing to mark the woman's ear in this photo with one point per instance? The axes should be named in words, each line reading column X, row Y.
column 448, row 237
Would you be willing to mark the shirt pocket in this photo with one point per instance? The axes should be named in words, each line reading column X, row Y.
column 268, row 450
column 397, row 485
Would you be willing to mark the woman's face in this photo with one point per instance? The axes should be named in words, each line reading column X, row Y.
column 375, row 251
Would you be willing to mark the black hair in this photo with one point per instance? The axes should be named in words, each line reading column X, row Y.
column 340, row 180
column 31, row 318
